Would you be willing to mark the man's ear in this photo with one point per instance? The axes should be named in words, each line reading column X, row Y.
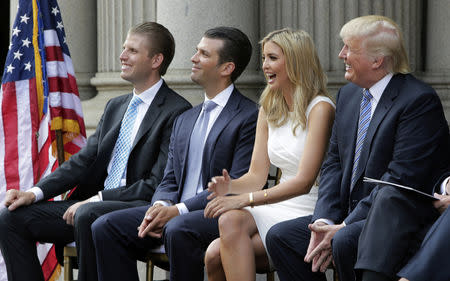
column 157, row 60
column 227, row 68
column 378, row 62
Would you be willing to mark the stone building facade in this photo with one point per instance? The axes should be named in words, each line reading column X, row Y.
column 96, row 30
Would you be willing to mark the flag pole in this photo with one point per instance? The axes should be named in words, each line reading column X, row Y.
column 60, row 155
column 59, row 147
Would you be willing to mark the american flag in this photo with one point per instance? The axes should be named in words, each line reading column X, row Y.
column 38, row 96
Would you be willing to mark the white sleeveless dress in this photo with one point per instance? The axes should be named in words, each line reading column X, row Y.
column 285, row 151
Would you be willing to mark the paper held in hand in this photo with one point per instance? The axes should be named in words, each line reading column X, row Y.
column 370, row 180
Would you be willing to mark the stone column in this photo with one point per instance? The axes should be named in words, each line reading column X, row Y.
column 437, row 59
column 79, row 24
column 114, row 19
column 182, row 18
column 188, row 20
column 323, row 19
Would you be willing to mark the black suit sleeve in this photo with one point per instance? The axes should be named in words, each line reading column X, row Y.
column 328, row 205
column 69, row 173
column 168, row 188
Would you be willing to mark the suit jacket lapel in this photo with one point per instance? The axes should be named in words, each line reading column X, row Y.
column 383, row 107
column 229, row 111
column 110, row 138
column 183, row 140
column 152, row 114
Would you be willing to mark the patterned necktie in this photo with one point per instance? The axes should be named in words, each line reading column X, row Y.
column 123, row 145
column 195, row 154
column 364, row 121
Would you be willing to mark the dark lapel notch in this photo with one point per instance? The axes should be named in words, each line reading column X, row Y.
column 110, row 138
column 184, row 138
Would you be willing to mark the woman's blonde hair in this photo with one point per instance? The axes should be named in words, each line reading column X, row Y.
column 303, row 70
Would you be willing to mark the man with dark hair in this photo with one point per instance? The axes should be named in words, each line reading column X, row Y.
column 120, row 167
column 217, row 134
column 235, row 48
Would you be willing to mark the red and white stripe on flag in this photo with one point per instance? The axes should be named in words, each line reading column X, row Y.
column 38, row 95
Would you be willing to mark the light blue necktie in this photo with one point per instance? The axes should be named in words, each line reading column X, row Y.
column 195, row 155
column 364, row 121
column 123, row 145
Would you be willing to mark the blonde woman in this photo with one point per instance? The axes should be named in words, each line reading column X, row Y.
column 293, row 130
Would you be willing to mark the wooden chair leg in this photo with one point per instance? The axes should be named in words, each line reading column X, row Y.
column 335, row 275
column 270, row 276
column 150, row 269
column 68, row 269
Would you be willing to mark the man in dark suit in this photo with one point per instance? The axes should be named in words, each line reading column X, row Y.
column 431, row 260
column 410, row 217
column 176, row 215
column 120, row 167
column 388, row 126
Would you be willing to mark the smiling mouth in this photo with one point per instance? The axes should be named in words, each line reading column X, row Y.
column 270, row 77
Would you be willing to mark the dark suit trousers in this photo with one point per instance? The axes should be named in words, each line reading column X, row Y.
column 42, row 222
column 396, row 224
column 431, row 261
column 287, row 243
column 117, row 244
column 186, row 238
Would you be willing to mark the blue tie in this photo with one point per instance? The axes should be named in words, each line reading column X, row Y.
column 195, row 155
column 123, row 145
column 364, row 121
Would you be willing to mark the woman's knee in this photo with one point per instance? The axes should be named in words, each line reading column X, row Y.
column 231, row 224
column 212, row 256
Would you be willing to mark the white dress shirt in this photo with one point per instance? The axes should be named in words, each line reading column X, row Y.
column 443, row 185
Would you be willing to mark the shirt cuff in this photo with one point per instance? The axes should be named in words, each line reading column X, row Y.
column 95, row 198
column 162, row 202
column 100, row 195
column 37, row 193
column 443, row 184
column 327, row 221
column 182, row 209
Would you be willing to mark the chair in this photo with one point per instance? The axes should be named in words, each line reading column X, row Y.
column 69, row 254
column 156, row 257
column 160, row 259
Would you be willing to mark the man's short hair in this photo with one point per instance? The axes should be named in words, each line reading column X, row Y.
column 160, row 42
column 236, row 47
column 381, row 37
